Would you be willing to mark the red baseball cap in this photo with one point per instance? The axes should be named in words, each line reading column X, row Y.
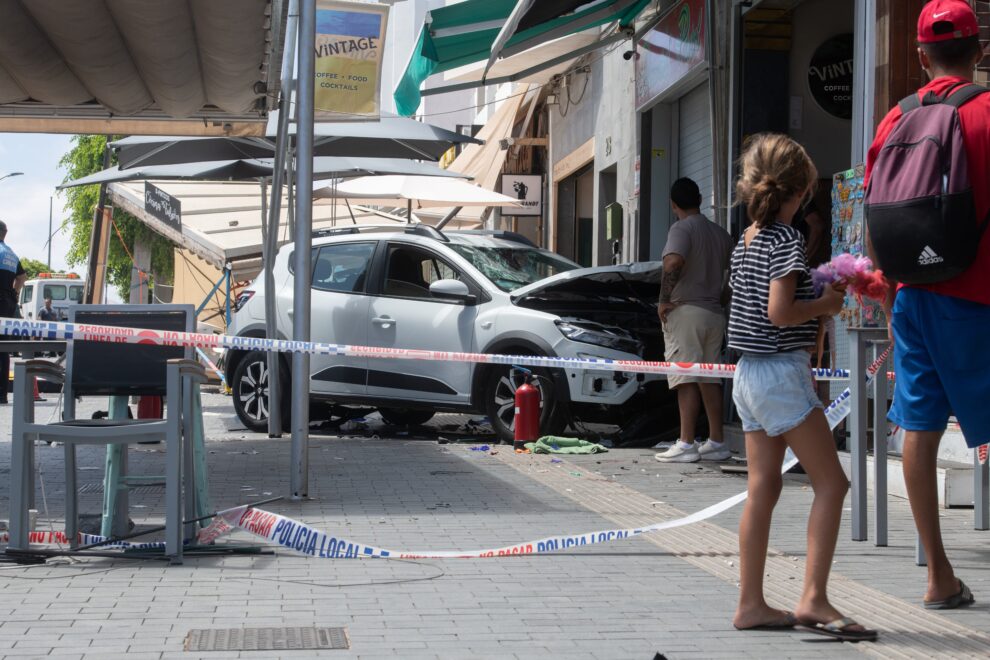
column 955, row 20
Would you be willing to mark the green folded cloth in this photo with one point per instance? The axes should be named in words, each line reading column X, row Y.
column 552, row 444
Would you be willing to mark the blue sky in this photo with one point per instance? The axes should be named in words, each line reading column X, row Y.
column 24, row 199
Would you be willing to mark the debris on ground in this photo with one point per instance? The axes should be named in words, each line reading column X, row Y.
column 551, row 444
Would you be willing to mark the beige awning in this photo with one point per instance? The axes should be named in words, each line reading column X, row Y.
column 484, row 162
column 87, row 64
column 221, row 222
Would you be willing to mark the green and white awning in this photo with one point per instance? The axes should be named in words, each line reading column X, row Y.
column 485, row 30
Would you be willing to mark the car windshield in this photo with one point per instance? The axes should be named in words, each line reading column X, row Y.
column 510, row 268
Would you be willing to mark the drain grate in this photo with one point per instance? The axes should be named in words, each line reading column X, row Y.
column 150, row 489
column 266, row 639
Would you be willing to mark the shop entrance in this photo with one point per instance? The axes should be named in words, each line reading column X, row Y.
column 576, row 216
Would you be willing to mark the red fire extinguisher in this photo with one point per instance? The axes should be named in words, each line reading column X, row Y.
column 527, row 419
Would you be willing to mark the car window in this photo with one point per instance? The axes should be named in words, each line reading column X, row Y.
column 510, row 268
column 292, row 260
column 410, row 271
column 27, row 294
column 54, row 291
column 76, row 293
column 342, row 267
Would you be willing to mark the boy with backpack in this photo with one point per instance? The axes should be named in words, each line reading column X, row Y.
column 927, row 204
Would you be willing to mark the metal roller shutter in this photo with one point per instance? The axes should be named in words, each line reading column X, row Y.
column 694, row 153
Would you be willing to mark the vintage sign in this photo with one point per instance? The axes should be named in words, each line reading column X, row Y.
column 830, row 76
column 528, row 189
column 162, row 206
column 670, row 51
column 350, row 37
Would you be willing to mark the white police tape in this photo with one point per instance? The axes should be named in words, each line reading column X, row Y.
column 59, row 538
column 307, row 540
column 122, row 335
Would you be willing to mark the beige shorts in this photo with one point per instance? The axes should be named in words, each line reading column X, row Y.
column 693, row 334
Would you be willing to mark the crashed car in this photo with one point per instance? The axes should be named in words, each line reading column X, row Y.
column 463, row 291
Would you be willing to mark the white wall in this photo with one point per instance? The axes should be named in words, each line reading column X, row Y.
column 828, row 139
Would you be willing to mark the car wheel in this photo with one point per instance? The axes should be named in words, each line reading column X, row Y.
column 250, row 391
column 500, row 403
column 406, row 416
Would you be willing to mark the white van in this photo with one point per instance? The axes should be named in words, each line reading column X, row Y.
column 63, row 288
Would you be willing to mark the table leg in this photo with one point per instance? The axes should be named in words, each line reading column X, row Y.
column 880, row 452
column 857, row 435
column 981, row 493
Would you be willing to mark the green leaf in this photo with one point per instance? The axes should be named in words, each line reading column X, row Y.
column 84, row 158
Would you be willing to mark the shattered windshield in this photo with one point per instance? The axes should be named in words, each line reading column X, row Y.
column 510, row 268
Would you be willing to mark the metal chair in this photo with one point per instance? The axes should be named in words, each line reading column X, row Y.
column 117, row 370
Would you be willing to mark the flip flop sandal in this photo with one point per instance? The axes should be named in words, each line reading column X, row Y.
column 962, row 598
column 840, row 630
column 782, row 624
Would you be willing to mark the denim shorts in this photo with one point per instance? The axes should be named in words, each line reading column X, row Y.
column 774, row 392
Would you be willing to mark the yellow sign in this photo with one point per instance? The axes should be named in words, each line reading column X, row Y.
column 350, row 37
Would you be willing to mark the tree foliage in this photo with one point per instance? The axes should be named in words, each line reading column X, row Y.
column 33, row 266
column 86, row 157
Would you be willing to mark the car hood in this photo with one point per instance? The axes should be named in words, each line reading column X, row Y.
column 638, row 280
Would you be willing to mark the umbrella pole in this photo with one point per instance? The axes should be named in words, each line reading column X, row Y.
column 350, row 210
column 408, row 210
column 270, row 246
column 450, row 216
column 299, row 467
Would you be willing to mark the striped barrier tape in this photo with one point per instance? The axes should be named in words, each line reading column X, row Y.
column 304, row 539
column 122, row 335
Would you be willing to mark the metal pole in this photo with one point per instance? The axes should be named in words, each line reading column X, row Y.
column 275, row 215
column 50, row 232
column 299, row 469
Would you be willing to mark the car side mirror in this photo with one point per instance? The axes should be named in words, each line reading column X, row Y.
column 452, row 290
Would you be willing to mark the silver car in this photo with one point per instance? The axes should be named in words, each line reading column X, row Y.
column 473, row 292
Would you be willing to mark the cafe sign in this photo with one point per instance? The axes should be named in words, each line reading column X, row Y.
column 830, row 76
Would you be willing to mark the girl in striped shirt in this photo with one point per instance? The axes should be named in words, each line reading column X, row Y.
column 773, row 323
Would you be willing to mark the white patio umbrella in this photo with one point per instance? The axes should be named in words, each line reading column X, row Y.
column 413, row 192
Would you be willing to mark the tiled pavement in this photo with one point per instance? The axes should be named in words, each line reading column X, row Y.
column 672, row 593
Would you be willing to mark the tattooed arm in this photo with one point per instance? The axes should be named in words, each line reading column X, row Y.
column 673, row 267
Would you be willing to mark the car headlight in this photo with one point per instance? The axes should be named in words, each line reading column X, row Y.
column 589, row 332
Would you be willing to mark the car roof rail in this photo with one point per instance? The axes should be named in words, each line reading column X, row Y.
column 428, row 231
column 505, row 235
column 355, row 229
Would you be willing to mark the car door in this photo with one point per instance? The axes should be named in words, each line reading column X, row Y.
column 405, row 315
column 339, row 314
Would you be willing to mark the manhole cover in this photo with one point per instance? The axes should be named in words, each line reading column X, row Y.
column 150, row 489
column 266, row 639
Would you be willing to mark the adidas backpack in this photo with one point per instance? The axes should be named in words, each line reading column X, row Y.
column 919, row 203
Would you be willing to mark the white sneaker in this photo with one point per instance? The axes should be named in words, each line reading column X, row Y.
column 680, row 453
column 709, row 451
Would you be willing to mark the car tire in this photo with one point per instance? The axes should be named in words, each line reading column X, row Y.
column 500, row 403
column 249, row 391
column 406, row 416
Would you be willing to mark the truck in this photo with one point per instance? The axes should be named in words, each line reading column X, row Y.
column 64, row 289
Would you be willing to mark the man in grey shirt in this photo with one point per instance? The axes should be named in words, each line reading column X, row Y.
column 695, row 261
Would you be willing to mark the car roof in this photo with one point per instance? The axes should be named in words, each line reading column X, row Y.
column 424, row 234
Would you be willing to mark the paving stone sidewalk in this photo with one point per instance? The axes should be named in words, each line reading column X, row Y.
column 670, row 593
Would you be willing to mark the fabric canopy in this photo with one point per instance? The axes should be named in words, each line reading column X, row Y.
column 205, row 59
column 423, row 191
column 467, row 32
column 229, row 170
column 395, row 137
column 221, row 222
